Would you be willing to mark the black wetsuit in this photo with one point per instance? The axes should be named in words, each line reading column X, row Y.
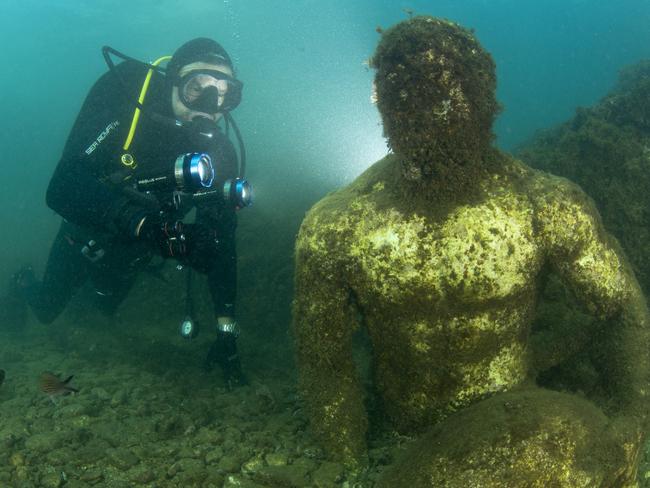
column 93, row 191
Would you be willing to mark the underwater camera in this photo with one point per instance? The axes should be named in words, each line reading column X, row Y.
column 194, row 173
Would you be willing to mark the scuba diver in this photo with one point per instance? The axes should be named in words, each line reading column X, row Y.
column 145, row 149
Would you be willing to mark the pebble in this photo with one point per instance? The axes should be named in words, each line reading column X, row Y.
column 289, row 476
column 17, row 459
column 277, row 459
column 122, row 458
column 58, row 457
column 42, row 443
column 141, row 474
column 214, row 455
column 119, row 398
column 22, row 473
column 190, row 465
column 92, row 476
column 207, row 436
column 252, row 465
column 100, row 393
column 230, row 464
column 172, row 470
column 81, row 421
column 51, row 480
column 327, row 475
column 233, row 434
column 236, row 481
column 70, row 410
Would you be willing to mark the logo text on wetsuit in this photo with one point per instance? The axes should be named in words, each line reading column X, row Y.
column 102, row 135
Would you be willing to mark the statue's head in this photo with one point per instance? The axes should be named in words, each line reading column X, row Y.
column 435, row 88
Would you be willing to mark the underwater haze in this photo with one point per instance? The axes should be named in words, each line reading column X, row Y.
column 147, row 414
column 306, row 116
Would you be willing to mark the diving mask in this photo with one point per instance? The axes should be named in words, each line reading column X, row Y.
column 209, row 91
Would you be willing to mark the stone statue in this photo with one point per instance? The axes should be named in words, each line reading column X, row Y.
column 437, row 251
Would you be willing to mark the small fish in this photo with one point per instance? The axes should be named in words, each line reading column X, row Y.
column 2, row 376
column 52, row 385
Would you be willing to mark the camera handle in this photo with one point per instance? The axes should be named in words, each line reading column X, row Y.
column 175, row 239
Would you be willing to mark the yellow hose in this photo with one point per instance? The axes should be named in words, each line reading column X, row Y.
column 143, row 92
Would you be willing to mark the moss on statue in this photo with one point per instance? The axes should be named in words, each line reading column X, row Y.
column 441, row 62
column 438, row 251
column 553, row 439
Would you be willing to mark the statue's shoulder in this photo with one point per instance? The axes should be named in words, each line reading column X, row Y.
column 543, row 187
column 549, row 189
column 337, row 212
column 563, row 212
column 338, row 204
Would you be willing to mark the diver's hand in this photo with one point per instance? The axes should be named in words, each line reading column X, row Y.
column 223, row 352
column 167, row 236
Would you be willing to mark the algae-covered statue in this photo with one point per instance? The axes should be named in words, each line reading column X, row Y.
column 438, row 251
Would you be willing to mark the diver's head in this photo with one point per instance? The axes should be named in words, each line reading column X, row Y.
column 202, row 80
column 435, row 88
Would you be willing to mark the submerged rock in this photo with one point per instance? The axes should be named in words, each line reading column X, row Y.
column 606, row 150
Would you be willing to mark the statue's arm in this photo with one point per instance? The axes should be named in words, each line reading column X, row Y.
column 594, row 266
column 323, row 324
